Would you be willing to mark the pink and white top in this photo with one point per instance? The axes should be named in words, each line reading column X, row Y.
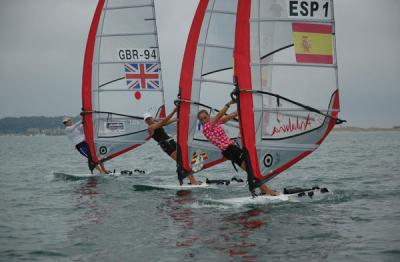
column 216, row 135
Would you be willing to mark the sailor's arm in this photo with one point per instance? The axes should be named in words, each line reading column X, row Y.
column 229, row 117
column 221, row 113
column 166, row 121
column 172, row 120
column 75, row 126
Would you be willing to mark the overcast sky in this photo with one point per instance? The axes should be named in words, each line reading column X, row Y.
column 42, row 44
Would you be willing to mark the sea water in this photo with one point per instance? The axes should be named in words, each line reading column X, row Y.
column 43, row 218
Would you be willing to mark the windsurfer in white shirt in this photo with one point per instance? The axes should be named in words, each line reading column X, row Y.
column 75, row 133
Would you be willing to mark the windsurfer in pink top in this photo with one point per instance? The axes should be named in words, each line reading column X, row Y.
column 215, row 133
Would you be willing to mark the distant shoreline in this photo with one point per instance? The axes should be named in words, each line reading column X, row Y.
column 362, row 129
column 336, row 129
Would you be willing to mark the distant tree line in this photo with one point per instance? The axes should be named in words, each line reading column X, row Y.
column 20, row 125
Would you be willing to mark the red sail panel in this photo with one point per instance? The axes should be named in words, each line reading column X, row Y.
column 243, row 76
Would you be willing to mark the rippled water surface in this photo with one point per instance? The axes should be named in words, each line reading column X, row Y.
column 43, row 218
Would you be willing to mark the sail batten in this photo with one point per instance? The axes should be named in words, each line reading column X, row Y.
column 128, row 34
column 127, row 7
column 213, row 11
column 214, row 45
column 324, row 21
column 212, row 81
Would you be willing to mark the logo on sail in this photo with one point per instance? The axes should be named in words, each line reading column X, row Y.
column 306, row 44
column 293, row 126
column 268, row 160
column 198, row 160
column 313, row 43
column 142, row 76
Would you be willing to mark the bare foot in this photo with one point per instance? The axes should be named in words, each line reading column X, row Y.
column 268, row 191
column 193, row 180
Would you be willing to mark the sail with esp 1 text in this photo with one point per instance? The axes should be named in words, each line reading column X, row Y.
column 287, row 81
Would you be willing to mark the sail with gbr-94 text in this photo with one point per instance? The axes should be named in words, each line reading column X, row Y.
column 121, row 77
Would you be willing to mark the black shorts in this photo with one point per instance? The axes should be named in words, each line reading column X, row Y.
column 83, row 148
column 168, row 146
column 235, row 154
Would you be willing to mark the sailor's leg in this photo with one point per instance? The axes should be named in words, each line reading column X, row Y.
column 99, row 169
column 173, row 155
column 103, row 169
column 191, row 178
column 267, row 190
column 264, row 188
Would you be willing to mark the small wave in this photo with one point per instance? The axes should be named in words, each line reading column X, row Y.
column 207, row 203
column 47, row 253
column 392, row 252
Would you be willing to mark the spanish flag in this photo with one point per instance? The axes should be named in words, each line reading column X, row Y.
column 313, row 43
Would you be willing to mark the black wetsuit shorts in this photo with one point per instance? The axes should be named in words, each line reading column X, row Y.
column 168, row 146
column 83, row 148
column 234, row 153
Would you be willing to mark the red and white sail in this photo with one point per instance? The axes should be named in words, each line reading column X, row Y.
column 121, row 77
column 206, row 81
column 286, row 71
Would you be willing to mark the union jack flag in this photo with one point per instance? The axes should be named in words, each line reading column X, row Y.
column 141, row 76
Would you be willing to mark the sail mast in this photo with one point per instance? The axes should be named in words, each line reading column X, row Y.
column 87, row 80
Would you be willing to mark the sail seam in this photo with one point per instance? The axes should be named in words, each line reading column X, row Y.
column 127, row 34
column 220, row 12
column 127, row 7
column 322, row 21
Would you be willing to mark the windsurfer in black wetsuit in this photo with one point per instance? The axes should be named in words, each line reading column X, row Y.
column 167, row 143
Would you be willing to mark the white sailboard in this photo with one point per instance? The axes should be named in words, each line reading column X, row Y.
column 66, row 175
column 121, row 77
column 142, row 187
column 208, row 184
column 266, row 199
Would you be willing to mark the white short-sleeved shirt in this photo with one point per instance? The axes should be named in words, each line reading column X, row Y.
column 75, row 133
